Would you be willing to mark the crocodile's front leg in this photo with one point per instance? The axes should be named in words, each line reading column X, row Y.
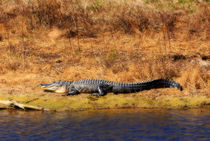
column 73, row 92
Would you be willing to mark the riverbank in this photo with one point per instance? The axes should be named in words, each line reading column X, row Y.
column 86, row 102
column 122, row 41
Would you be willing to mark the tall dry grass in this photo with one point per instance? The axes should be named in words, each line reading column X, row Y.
column 41, row 41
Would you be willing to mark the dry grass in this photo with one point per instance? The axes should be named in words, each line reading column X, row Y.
column 115, row 40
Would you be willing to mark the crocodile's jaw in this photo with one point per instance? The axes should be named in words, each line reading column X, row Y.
column 61, row 90
column 53, row 88
column 48, row 87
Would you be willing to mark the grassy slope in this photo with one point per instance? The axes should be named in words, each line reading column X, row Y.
column 98, row 39
column 85, row 102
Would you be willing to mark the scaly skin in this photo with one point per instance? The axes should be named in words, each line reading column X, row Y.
column 102, row 87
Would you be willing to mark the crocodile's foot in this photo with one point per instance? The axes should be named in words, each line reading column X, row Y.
column 74, row 92
column 96, row 94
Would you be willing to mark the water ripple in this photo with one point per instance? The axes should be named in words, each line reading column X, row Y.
column 106, row 125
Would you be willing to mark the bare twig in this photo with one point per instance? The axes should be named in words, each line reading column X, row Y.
column 21, row 106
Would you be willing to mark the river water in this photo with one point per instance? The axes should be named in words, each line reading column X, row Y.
column 109, row 125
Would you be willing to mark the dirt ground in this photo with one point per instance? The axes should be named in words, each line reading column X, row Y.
column 35, row 49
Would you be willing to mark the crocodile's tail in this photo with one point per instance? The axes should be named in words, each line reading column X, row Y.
column 160, row 83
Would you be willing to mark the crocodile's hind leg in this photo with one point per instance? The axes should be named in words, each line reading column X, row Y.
column 73, row 92
column 102, row 90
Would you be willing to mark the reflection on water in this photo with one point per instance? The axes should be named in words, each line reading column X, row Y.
column 106, row 125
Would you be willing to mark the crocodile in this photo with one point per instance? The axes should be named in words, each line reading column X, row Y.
column 102, row 87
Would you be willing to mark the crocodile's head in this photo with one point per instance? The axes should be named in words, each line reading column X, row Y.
column 56, row 86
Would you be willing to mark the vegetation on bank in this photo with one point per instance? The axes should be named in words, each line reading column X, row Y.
column 85, row 102
column 118, row 40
